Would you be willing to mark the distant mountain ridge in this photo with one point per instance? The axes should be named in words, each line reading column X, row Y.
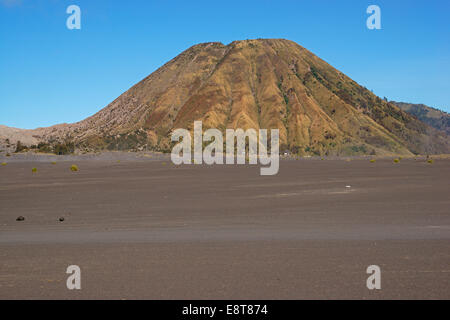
column 434, row 117
column 263, row 83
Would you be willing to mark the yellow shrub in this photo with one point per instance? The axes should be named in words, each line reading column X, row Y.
column 34, row 170
column 396, row 160
column 74, row 167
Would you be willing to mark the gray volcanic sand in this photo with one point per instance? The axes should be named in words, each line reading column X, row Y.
column 149, row 229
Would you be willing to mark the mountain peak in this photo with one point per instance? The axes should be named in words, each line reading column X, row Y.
column 259, row 84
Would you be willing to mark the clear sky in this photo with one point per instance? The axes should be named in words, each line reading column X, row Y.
column 50, row 74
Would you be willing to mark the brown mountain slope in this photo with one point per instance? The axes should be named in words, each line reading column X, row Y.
column 267, row 83
column 433, row 117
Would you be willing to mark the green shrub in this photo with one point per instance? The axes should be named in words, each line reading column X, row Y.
column 372, row 160
column 396, row 160
column 430, row 161
column 64, row 148
column 3, row 163
column 44, row 148
column 20, row 147
column 74, row 168
column 53, row 162
column 34, row 170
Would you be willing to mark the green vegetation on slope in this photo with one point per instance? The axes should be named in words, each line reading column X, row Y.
column 436, row 118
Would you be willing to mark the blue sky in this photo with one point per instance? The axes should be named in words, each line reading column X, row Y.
column 50, row 74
